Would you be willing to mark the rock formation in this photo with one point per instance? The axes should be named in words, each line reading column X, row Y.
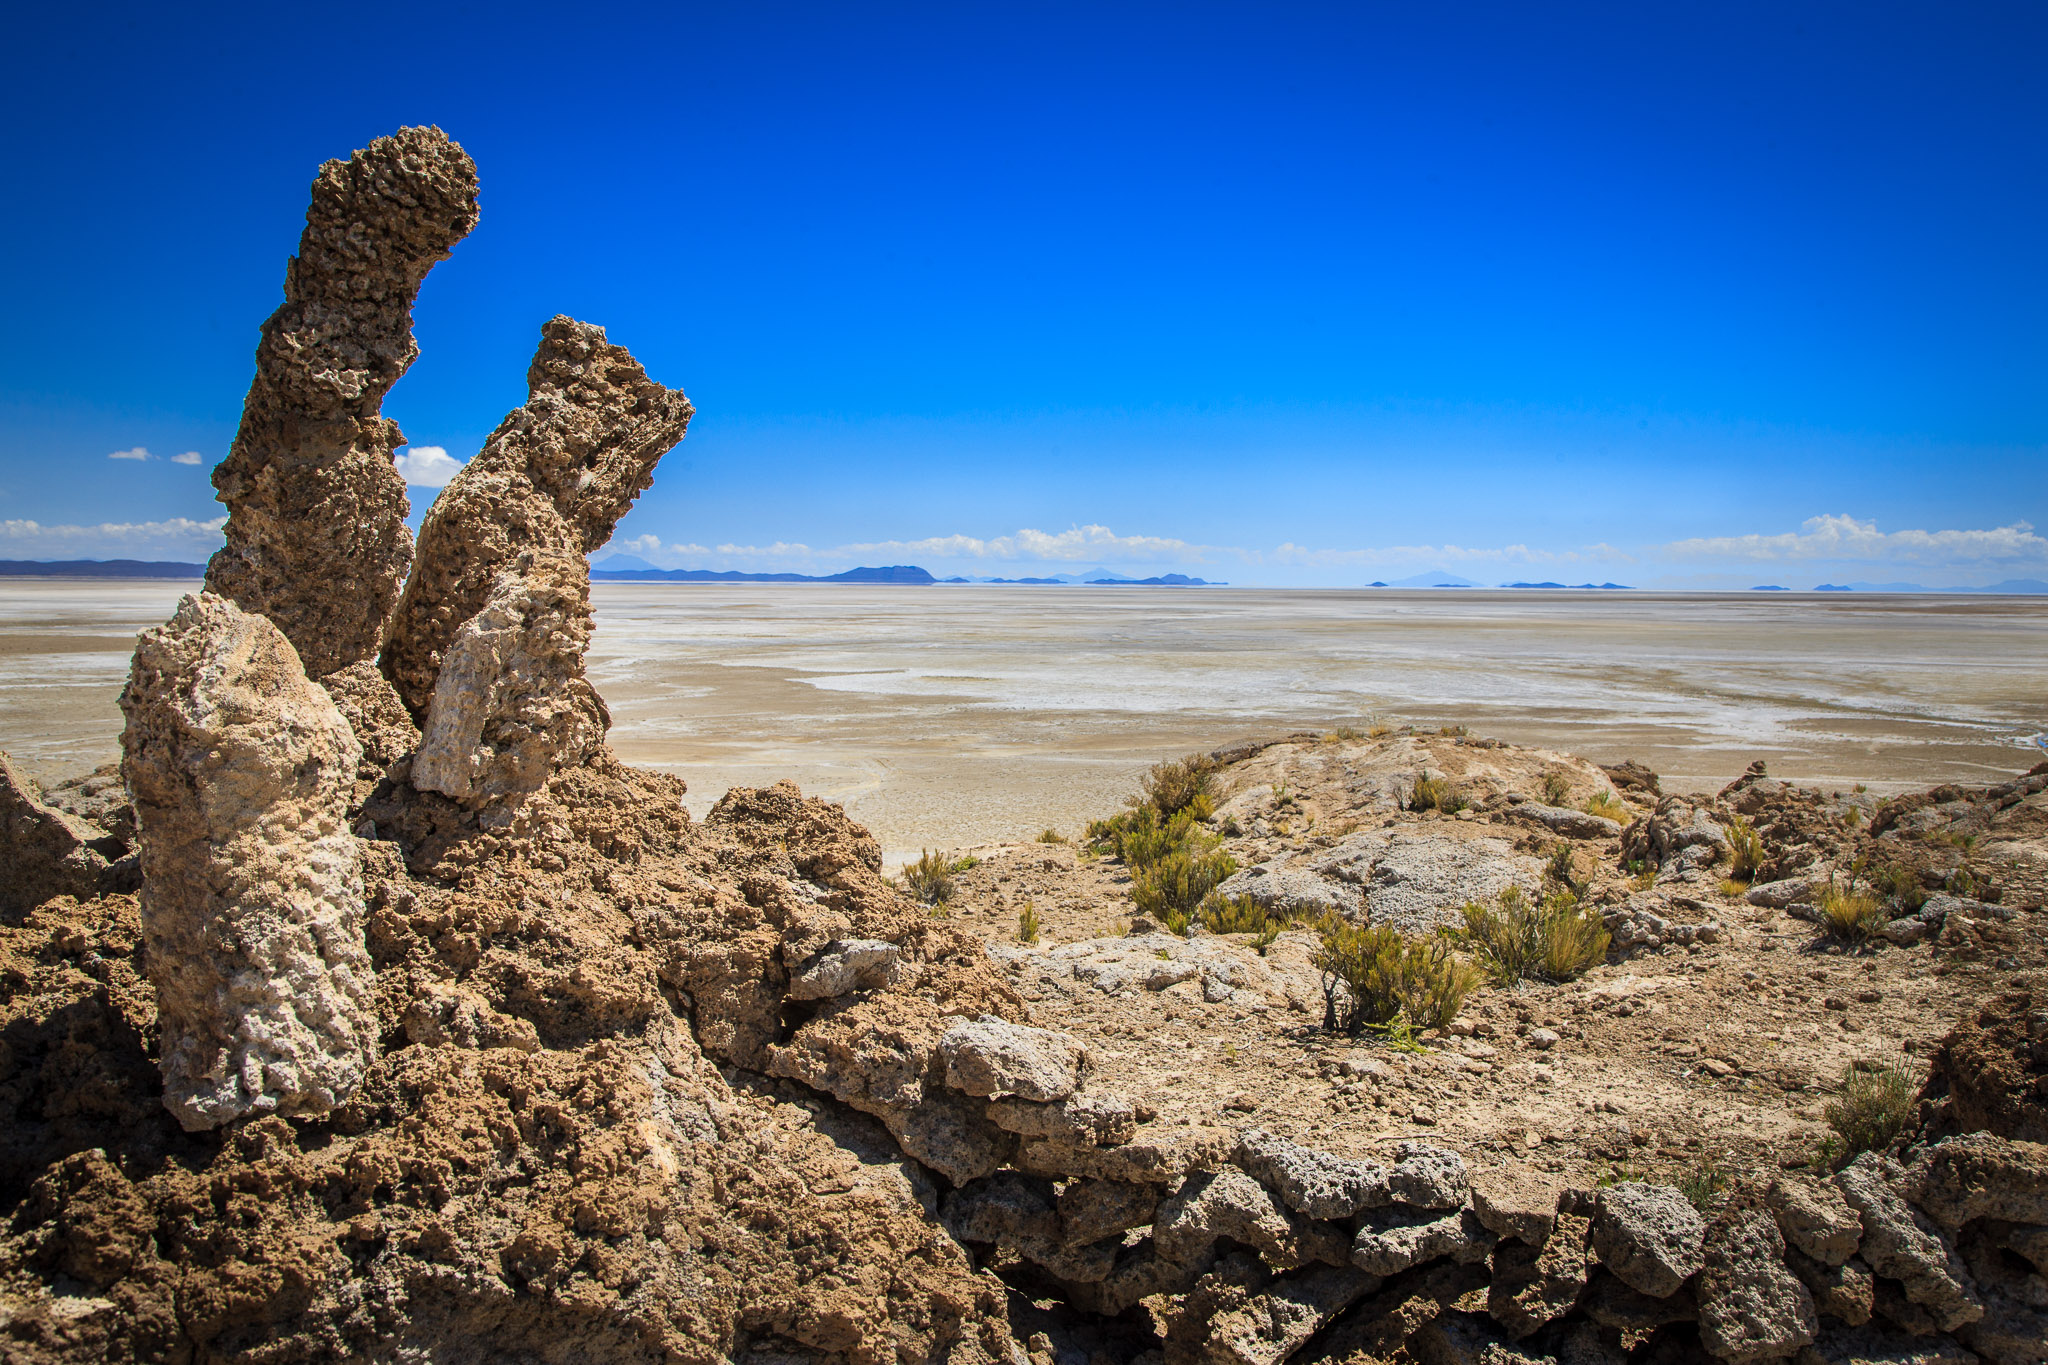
column 555, row 477
column 47, row 850
column 252, row 904
column 316, row 535
column 511, row 704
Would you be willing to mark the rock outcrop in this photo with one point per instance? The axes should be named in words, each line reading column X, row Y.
column 554, row 478
column 252, row 904
column 316, row 534
column 46, row 850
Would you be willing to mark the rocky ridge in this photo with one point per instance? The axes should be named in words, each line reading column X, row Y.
column 436, row 1033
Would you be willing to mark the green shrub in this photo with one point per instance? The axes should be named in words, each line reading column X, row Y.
column 1221, row 914
column 1027, row 924
column 930, row 878
column 1900, row 886
column 1372, row 976
column 1871, row 1108
column 1171, row 887
column 1557, row 789
column 1560, row 871
column 1702, row 1183
column 1607, row 806
column 966, row 864
column 1181, row 784
column 1517, row 939
column 1851, row 914
column 1745, row 849
column 1453, row 731
column 1435, row 793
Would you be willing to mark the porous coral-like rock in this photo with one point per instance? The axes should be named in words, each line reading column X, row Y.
column 46, row 851
column 1391, row 1240
column 845, row 966
column 1842, row 1292
column 511, row 704
column 316, row 535
column 370, row 705
column 1751, row 1306
column 1312, row 1182
column 556, row 475
column 1532, row 1284
column 1093, row 1209
column 1815, row 1218
column 1268, row 1327
column 1981, row 1175
column 1229, row 1203
column 1426, row 1176
column 1517, row 1203
column 990, row 1057
column 1872, row 1345
column 252, row 902
column 1648, row 1235
column 1901, row 1246
column 1158, row 1155
column 1103, row 1120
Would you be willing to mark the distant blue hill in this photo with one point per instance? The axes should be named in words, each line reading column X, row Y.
column 908, row 574
column 1165, row 580
column 99, row 568
column 1575, row 587
column 1769, row 587
column 1435, row 578
column 2018, row 587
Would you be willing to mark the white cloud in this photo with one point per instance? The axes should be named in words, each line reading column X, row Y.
column 176, row 538
column 189, row 457
column 1092, row 542
column 1845, row 538
column 427, row 466
column 139, row 453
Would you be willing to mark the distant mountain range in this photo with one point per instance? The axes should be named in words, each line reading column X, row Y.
column 99, row 568
column 647, row 573
column 2014, row 587
column 1575, row 587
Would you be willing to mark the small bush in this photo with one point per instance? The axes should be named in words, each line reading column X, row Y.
column 1900, row 886
column 1515, row 938
column 1850, row 914
column 1378, row 730
column 1453, row 731
column 966, row 864
column 1027, row 924
column 1222, row 914
column 1180, row 784
column 1561, row 872
column 1745, row 849
column 1172, row 887
column 1557, row 789
column 1702, row 1183
column 1608, row 806
column 1343, row 733
column 1051, row 836
column 930, row 878
column 1872, row 1108
column 1372, row 976
column 1435, row 793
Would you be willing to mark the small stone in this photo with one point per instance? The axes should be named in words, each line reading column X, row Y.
column 1542, row 1039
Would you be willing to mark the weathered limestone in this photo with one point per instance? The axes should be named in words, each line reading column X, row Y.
column 1751, row 1306
column 1903, row 1247
column 990, row 1057
column 556, row 476
column 316, row 535
column 252, row 899
column 1312, row 1182
column 511, row 705
column 1815, row 1218
column 46, row 851
column 1648, row 1235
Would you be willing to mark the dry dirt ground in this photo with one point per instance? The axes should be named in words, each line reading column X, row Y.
column 1698, row 1059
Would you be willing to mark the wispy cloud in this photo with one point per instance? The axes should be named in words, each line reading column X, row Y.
column 138, row 453
column 1845, row 538
column 1291, row 553
column 189, row 457
column 427, row 466
column 1076, row 543
column 174, row 538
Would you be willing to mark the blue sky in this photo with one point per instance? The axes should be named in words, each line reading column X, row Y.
column 1275, row 294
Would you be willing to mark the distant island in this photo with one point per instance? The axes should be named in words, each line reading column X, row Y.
column 1575, row 587
column 895, row 573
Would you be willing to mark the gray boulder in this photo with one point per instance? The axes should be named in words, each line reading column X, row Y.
column 1900, row 1245
column 1751, row 1306
column 990, row 1057
column 1573, row 824
column 1648, row 1235
column 1390, row 1241
column 1229, row 1203
column 1092, row 1117
column 1312, row 1182
column 1815, row 1218
column 1271, row 1326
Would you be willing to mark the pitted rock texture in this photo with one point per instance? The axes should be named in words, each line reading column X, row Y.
column 316, row 534
column 47, row 851
column 1751, row 1306
column 1648, row 1235
column 252, row 903
column 511, row 704
column 556, row 475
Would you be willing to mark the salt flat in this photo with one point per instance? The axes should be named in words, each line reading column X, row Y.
column 955, row 715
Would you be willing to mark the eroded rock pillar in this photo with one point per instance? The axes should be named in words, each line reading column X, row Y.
column 252, row 898
column 316, row 534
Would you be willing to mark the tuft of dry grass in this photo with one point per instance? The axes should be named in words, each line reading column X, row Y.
column 1049, row 835
column 1028, row 924
column 1435, row 793
column 1872, row 1107
column 930, row 878
column 1557, row 789
column 1851, row 914
column 1608, row 806
column 1745, row 849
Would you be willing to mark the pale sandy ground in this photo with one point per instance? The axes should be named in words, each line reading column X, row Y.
column 962, row 715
